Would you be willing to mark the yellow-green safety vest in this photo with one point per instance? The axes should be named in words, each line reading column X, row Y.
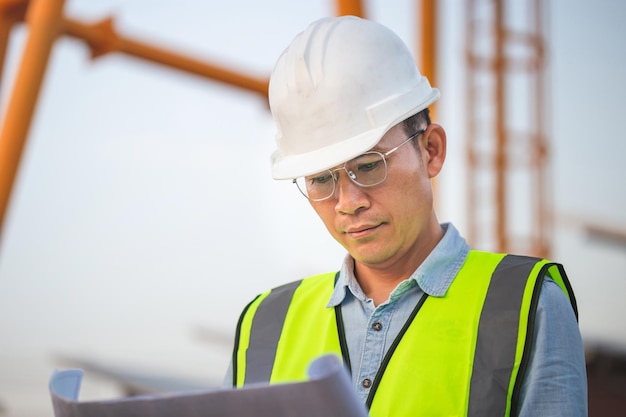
column 462, row 354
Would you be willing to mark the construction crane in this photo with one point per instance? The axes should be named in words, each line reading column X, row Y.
column 507, row 142
column 47, row 22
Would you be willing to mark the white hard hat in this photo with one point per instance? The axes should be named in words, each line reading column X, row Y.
column 337, row 89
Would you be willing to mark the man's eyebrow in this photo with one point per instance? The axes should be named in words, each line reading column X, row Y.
column 376, row 148
column 380, row 149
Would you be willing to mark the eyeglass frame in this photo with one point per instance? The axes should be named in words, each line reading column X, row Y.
column 351, row 174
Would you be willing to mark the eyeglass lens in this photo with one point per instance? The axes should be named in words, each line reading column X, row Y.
column 365, row 170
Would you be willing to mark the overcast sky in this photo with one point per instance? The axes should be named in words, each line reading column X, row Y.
column 145, row 208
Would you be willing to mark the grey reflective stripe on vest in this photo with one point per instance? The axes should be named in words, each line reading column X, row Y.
column 496, row 344
column 267, row 325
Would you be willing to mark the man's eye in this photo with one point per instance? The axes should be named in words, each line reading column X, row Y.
column 320, row 179
column 368, row 166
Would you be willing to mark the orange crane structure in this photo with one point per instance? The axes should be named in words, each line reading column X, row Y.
column 47, row 22
column 508, row 205
column 508, row 208
column 507, row 142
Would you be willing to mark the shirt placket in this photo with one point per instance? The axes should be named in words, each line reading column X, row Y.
column 374, row 348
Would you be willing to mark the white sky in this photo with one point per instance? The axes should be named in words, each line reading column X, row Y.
column 145, row 207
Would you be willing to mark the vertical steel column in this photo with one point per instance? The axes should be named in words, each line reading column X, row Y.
column 44, row 19
column 542, row 236
column 11, row 12
column 500, row 155
column 428, row 65
column 349, row 7
column 471, row 101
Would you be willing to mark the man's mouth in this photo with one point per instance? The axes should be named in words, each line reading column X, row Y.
column 357, row 232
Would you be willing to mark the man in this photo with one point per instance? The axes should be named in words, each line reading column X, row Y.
column 425, row 325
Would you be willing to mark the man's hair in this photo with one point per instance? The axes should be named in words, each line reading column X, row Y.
column 416, row 122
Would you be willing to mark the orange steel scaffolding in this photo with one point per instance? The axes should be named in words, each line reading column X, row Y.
column 47, row 22
column 508, row 205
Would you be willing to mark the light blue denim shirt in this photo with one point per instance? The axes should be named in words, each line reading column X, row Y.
column 555, row 383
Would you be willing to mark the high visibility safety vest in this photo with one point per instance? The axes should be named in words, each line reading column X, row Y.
column 463, row 354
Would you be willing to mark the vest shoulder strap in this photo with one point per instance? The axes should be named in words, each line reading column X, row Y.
column 260, row 325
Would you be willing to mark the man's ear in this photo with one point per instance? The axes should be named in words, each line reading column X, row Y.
column 434, row 149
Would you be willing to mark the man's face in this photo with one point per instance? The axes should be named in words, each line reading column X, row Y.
column 390, row 222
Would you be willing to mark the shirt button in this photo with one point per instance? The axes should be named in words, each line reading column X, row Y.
column 366, row 383
column 377, row 326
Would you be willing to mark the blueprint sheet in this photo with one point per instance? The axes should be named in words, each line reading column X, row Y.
column 327, row 392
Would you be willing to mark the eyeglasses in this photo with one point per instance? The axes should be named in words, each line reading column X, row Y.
column 366, row 170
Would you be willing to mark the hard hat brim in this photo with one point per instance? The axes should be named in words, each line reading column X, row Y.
column 300, row 165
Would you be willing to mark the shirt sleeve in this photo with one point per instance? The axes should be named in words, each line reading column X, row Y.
column 555, row 383
column 228, row 377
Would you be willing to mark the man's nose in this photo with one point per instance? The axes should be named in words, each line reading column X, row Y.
column 350, row 196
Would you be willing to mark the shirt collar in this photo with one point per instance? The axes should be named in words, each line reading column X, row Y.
column 433, row 276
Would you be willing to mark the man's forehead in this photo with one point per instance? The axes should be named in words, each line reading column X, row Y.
column 389, row 138
column 386, row 142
